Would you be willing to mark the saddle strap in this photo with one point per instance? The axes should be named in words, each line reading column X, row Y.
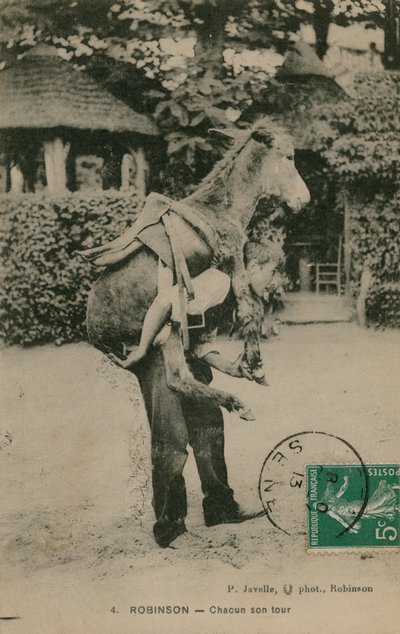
column 183, row 278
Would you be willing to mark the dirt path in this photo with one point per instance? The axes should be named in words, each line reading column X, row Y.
column 76, row 513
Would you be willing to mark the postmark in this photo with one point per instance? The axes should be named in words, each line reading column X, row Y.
column 340, row 515
column 282, row 482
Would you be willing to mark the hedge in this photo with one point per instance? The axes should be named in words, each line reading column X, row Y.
column 375, row 228
column 45, row 283
column 383, row 305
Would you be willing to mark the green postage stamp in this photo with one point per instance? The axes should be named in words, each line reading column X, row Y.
column 353, row 506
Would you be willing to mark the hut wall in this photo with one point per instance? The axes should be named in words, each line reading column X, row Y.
column 88, row 169
column 63, row 159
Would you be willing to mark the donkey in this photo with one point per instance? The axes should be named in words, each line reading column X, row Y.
column 259, row 164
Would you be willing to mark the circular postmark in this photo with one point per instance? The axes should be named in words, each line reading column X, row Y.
column 283, row 488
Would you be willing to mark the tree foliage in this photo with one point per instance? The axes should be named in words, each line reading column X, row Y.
column 188, row 62
column 361, row 142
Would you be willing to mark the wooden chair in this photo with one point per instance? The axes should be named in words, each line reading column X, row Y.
column 329, row 273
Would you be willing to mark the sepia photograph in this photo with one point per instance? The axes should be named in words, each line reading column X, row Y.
column 199, row 316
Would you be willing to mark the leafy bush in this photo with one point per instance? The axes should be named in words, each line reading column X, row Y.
column 44, row 282
column 375, row 235
column 375, row 242
column 383, row 305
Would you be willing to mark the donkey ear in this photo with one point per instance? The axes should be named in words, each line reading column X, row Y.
column 263, row 136
column 226, row 133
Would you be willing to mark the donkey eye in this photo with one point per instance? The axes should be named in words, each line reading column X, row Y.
column 290, row 157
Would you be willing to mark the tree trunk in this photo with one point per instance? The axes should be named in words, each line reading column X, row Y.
column 322, row 19
column 211, row 32
column 55, row 157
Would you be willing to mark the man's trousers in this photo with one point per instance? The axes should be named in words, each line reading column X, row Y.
column 175, row 422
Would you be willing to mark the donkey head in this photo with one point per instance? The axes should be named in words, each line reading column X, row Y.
column 266, row 160
column 279, row 175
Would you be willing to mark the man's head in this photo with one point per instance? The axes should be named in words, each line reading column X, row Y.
column 262, row 262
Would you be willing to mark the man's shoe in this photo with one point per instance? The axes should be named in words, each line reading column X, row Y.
column 189, row 541
column 234, row 516
column 165, row 533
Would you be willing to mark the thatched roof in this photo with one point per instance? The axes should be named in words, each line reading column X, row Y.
column 305, row 81
column 302, row 60
column 44, row 91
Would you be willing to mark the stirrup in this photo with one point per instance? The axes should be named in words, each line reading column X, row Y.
column 202, row 323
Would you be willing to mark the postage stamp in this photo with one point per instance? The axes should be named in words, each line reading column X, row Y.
column 282, row 483
column 347, row 510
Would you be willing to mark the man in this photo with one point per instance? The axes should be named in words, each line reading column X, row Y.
column 177, row 421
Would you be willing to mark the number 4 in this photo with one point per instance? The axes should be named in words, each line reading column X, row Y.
column 389, row 532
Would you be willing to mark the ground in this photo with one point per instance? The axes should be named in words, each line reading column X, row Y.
column 76, row 503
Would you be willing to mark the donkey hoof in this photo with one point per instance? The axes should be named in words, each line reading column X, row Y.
column 259, row 376
column 246, row 414
column 261, row 381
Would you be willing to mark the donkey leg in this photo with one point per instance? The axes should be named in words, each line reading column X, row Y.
column 253, row 354
column 181, row 380
column 249, row 311
column 249, row 314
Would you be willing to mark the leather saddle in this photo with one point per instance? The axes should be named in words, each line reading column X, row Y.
column 179, row 235
column 195, row 238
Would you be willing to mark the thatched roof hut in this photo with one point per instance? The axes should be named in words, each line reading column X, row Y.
column 302, row 61
column 46, row 96
column 44, row 91
column 305, row 81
